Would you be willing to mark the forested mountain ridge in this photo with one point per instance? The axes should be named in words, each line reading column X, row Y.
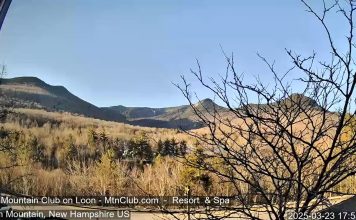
column 33, row 93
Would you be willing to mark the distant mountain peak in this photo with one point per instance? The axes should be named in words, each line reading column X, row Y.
column 32, row 92
column 300, row 99
column 207, row 104
column 207, row 101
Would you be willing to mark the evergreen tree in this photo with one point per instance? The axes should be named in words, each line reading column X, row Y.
column 182, row 148
column 139, row 149
column 159, row 147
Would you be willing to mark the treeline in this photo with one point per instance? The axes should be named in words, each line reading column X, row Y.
column 63, row 150
column 103, row 165
column 66, row 158
column 74, row 157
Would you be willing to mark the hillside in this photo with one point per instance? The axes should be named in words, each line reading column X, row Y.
column 170, row 117
column 31, row 92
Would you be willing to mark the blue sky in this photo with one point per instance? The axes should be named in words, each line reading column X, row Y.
column 128, row 52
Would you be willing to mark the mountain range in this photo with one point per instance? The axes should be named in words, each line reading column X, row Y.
column 32, row 92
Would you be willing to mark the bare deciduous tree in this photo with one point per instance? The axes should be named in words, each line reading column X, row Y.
column 2, row 74
column 287, row 152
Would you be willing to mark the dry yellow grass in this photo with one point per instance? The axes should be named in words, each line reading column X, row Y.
column 25, row 88
column 71, row 122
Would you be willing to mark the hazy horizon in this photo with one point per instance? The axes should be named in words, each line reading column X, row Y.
column 129, row 52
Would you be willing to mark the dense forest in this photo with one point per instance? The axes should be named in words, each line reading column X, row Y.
column 62, row 154
column 58, row 154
